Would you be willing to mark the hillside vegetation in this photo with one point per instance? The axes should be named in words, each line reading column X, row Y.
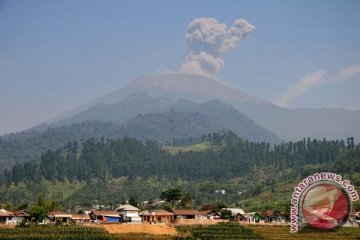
column 164, row 121
column 112, row 171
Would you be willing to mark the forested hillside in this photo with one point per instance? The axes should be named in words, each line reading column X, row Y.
column 229, row 160
column 184, row 119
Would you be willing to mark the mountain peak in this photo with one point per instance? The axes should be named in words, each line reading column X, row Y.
column 202, row 87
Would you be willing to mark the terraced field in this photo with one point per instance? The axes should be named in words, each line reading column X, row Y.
column 68, row 232
column 221, row 231
column 272, row 232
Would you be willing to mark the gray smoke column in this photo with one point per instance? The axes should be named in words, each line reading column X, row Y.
column 208, row 40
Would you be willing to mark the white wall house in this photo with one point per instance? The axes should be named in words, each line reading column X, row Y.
column 21, row 215
column 129, row 213
column 6, row 217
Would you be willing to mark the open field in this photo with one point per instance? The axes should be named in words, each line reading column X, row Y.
column 68, row 232
column 226, row 231
column 155, row 229
column 272, row 232
column 195, row 147
column 220, row 231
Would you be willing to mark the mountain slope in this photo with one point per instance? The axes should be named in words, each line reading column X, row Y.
column 177, row 119
column 288, row 124
column 200, row 119
column 113, row 169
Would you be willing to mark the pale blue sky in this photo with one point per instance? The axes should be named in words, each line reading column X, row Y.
column 57, row 55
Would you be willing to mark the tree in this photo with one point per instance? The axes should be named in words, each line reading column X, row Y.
column 132, row 201
column 219, row 206
column 171, row 195
column 23, row 206
column 38, row 213
column 225, row 213
column 167, row 206
column 207, row 206
column 186, row 201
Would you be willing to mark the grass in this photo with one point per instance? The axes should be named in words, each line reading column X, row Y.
column 195, row 147
column 273, row 232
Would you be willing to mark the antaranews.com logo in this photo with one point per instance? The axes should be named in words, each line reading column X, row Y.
column 322, row 200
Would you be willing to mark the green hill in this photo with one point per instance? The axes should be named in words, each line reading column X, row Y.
column 111, row 171
column 185, row 119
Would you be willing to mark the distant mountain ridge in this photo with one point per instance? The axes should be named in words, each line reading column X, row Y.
column 215, row 114
column 287, row 124
column 162, row 120
column 195, row 120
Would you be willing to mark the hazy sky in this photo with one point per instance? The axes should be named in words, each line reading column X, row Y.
column 57, row 55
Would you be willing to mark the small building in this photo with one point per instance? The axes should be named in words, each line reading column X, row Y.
column 59, row 217
column 235, row 211
column 6, row 217
column 252, row 217
column 186, row 214
column 238, row 217
column 129, row 213
column 80, row 218
column 160, row 215
column 210, row 214
column 46, row 220
column 21, row 215
column 274, row 216
column 105, row 216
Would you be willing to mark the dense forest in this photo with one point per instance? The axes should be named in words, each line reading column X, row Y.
column 228, row 157
column 182, row 119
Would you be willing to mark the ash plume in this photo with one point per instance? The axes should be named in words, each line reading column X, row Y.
column 208, row 40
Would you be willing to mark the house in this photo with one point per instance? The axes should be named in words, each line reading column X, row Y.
column 238, row 217
column 46, row 220
column 129, row 213
column 6, row 217
column 105, row 216
column 274, row 216
column 155, row 216
column 234, row 211
column 252, row 217
column 21, row 215
column 210, row 214
column 80, row 218
column 186, row 214
column 59, row 217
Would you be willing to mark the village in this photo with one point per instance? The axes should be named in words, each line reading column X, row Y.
column 129, row 214
column 133, row 215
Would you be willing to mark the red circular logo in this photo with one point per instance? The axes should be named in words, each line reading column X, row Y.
column 325, row 206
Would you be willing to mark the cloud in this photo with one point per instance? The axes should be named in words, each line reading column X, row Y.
column 306, row 83
column 345, row 73
column 207, row 40
column 312, row 80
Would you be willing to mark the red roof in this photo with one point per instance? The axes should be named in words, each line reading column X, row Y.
column 5, row 213
column 58, row 213
column 186, row 212
column 21, row 213
column 205, row 212
column 162, row 212
column 80, row 216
